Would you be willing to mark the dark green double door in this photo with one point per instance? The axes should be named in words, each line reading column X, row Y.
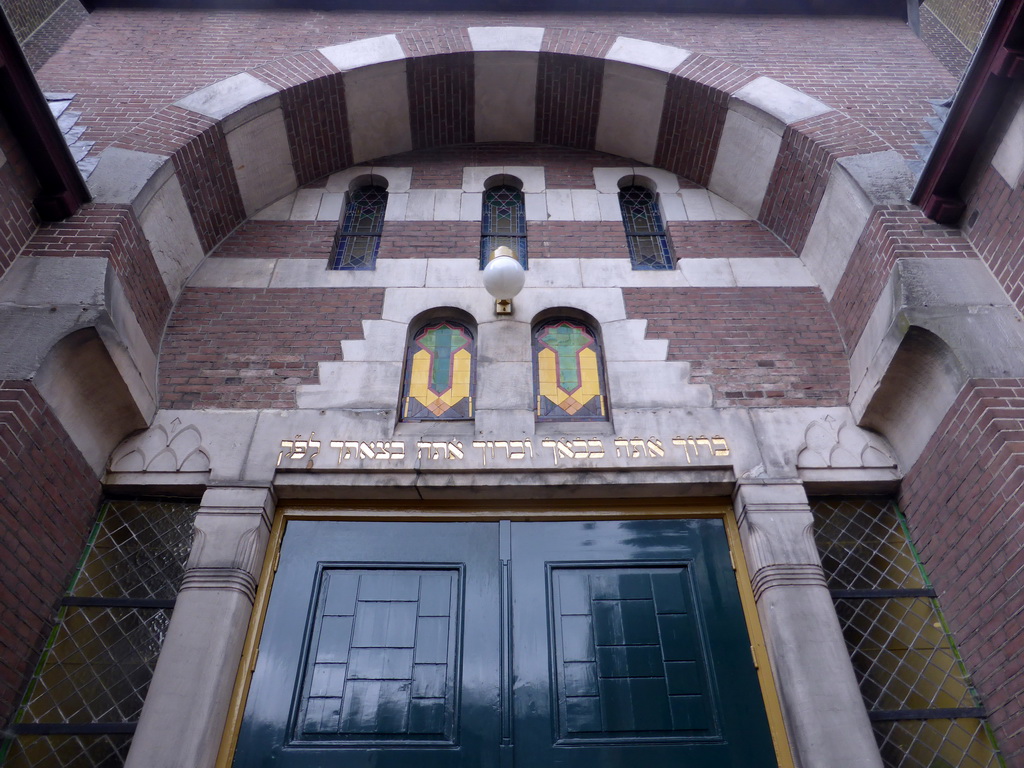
column 498, row 644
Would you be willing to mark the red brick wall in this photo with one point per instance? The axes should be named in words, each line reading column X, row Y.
column 234, row 348
column 113, row 231
column 546, row 240
column 875, row 70
column 48, row 497
column 809, row 149
column 997, row 232
column 963, row 500
column 18, row 187
column 891, row 234
column 753, row 346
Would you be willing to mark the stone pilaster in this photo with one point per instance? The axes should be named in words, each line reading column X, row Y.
column 183, row 718
column 821, row 702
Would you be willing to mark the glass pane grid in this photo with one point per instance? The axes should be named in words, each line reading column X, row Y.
column 358, row 238
column 645, row 230
column 901, row 655
column 862, row 546
column 101, row 751
column 901, row 652
column 99, row 666
column 100, row 659
column 140, row 551
column 959, row 743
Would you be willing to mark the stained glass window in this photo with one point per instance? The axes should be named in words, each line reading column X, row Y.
column 645, row 230
column 358, row 237
column 568, row 372
column 503, row 223
column 923, row 706
column 86, row 696
column 440, row 373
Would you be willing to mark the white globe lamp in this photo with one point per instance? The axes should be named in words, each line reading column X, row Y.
column 504, row 277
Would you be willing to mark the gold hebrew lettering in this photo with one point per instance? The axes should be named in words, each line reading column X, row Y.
column 366, row 451
column 724, row 450
column 482, row 445
column 455, row 450
column 596, row 448
column 421, row 447
column 621, row 446
column 638, row 448
column 655, row 448
column 397, row 448
column 553, row 445
column 582, row 449
column 284, row 444
column 678, row 440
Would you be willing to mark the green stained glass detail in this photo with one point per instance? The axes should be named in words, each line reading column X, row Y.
column 567, row 341
column 442, row 343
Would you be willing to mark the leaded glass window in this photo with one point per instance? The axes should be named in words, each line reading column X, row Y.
column 440, row 373
column 85, row 699
column 503, row 223
column 358, row 238
column 923, row 707
column 645, row 230
column 568, row 372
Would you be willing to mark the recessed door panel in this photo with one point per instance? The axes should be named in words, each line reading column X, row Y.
column 379, row 647
column 442, row 645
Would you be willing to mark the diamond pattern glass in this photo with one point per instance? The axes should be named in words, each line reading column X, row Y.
column 99, row 666
column 358, row 238
column 503, row 223
column 939, row 743
column 139, row 551
column 95, row 671
column 645, row 231
column 101, row 751
column 863, row 546
column 907, row 665
column 901, row 655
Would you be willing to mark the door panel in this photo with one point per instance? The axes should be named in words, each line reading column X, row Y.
column 461, row 644
column 379, row 645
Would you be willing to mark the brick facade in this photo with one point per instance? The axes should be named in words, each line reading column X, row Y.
column 962, row 500
column 996, row 231
column 832, row 59
column 753, row 346
column 892, row 233
column 114, row 232
column 232, row 348
column 18, row 187
column 48, row 497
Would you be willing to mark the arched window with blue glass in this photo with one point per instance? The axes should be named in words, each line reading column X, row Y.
column 568, row 372
column 503, row 221
column 358, row 238
column 645, row 227
column 440, row 372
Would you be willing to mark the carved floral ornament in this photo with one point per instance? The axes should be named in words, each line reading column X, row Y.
column 832, row 445
column 172, row 448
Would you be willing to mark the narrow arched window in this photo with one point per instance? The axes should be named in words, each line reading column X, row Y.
column 645, row 229
column 440, row 373
column 568, row 372
column 358, row 238
column 503, row 223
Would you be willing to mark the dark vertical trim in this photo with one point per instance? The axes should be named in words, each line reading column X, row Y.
column 24, row 107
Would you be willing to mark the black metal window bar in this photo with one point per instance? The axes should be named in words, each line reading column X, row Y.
column 922, row 704
column 503, row 223
column 645, row 230
column 358, row 238
column 84, row 700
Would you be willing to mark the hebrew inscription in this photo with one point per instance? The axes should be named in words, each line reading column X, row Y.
column 303, row 452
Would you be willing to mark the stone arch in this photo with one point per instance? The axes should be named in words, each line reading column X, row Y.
column 198, row 168
column 920, row 384
column 83, row 385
